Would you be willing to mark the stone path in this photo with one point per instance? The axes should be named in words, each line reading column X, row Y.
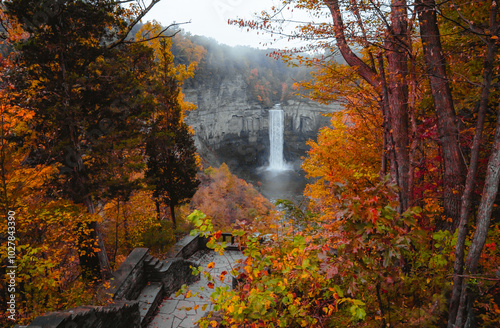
column 173, row 311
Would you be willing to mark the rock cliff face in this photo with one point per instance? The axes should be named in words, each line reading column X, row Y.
column 230, row 127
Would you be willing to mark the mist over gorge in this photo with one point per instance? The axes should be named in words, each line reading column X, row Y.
column 234, row 89
column 236, row 130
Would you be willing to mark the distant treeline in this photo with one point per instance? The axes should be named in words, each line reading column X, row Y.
column 269, row 81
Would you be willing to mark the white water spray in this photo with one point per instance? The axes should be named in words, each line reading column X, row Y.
column 276, row 127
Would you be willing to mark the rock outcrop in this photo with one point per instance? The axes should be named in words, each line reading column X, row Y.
column 230, row 127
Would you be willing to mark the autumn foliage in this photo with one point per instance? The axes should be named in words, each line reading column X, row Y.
column 406, row 179
column 77, row 98
column 227, row 200
column 402, row 223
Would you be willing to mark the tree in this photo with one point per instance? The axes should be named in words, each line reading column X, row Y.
column 46, row 229
column 459, row 46
column 172, row 162
column 75, row 105
column 385, row 34
column 172, row 167
column 454, row 167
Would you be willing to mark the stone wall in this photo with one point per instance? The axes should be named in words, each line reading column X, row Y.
column 178, row 273
column 187, row 246
column 121, row 314
column 131, row 277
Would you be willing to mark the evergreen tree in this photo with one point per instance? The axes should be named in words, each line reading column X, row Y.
column 172, row 162
column 83, row 85
column 172, row 167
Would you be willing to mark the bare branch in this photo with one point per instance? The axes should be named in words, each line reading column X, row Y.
column 125, row 33
column 122, row 2
column 477, row 277
column 160, row 34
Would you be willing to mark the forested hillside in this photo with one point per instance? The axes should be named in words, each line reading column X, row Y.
column 269, row 80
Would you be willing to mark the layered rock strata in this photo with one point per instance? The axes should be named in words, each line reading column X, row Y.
column 230, row 127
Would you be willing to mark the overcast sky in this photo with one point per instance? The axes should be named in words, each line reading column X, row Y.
column 210, row 17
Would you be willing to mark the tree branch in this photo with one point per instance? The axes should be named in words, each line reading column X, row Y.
column 125, row 33
column 365, row 71
column 159, row 35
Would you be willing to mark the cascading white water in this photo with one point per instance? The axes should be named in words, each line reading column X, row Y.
column 276, row 127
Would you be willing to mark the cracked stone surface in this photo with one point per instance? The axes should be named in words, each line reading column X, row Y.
column 182, row 312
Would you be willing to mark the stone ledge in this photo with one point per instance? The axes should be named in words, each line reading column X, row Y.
column 127, row 281
column 186, row 247
column 121, row 314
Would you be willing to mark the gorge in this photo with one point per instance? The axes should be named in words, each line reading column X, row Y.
column 233, row 128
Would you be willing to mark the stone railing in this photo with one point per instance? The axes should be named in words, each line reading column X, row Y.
column 120, row 314
column 130, row 278
column 136, row 288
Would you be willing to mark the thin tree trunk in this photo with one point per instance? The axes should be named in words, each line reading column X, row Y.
column 398, row 95
column 384, row 104
column 158, row 213
column 125, row 229
column 489, row 194
column 365, row 71
column 93, row 256
column 172, row 213
column 470, row 183
column 383, row 160
column 454, row 167
column 116, row 229
column 412, row 100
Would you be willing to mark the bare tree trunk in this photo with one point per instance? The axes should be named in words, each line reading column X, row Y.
column 125, row 228
column 454, row 167
column 93, row 256
column 172, row 213
column 470, row 184
column 116, row 230
column 158, row 212
column 398, row 95
column 412, row 104
column 384, row 104
column 490, row 191
column 383, row 160
column 365, row 71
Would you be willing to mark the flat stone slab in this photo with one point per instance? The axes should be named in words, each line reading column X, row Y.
column 181, row 312
column 148, row 296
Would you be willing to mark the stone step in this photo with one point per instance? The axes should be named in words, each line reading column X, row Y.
column 148, row 258
column 154, row 261
column 149, row 299
column 159, row 265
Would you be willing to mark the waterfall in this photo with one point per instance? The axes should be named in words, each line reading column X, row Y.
column 276, row 127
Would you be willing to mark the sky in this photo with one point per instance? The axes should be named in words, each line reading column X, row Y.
column 210, row 18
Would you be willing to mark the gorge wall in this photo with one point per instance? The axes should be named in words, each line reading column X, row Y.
column 232, row 127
